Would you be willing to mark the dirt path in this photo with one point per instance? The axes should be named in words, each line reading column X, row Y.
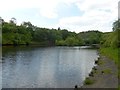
column 106, row 75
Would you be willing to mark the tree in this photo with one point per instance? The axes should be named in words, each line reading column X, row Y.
column 9, row 27
column 0, row 21
column 71, row 41
column 27, row 33
column 59, row 28
column 64, row 34
column 27, row 24
column 112, row 39
column 116, row 25
column 90, row 37
column 13, row 20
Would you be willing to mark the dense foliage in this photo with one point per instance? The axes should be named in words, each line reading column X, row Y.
column 111, row 44
column 26, row 33
column 112, row 39
column 90, row 37
column 13, row 34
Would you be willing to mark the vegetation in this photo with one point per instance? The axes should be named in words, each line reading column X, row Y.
column 88, row 81
column 13, row 34
column 90, row 37
column 106, row 71
column 26, row 33
column 111, row 53
column 110, row 43
column 93, row 72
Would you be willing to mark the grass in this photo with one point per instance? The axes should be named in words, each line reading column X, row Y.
column 118, row 87
column 112, row 53
column 95, row 71
column 100, row 62
column 107, row 71
column 88, row 81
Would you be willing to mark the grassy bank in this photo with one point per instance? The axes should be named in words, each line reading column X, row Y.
column 112, row 53
column 106, row 67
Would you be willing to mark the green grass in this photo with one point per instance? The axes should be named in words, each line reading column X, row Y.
column 88, row 81
column 100, row 62
column 112, row 53
column 107, row 71
column 118, row 87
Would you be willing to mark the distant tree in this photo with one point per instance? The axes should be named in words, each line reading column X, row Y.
column 13, row 20
column 27, row 24
column 112, row 39
column 116, row 25
column 64, row 34
column 1, row 21
column 90, row 37
column 71, row 41
column 29, row 27
column 41, row 34
column 27, row 33
column 59, row 28
column 9, row 27
column 0, row 24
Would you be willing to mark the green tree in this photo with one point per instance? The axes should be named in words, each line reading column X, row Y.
column 64, row 34
column 112, row 39
column 71, row 41
column 13, row 20
column 116, row 25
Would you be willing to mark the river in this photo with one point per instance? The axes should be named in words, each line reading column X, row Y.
column 46, row 67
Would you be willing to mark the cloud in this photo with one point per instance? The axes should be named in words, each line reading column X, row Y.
column 90, row 17
column 46, row 7
column 96, row 14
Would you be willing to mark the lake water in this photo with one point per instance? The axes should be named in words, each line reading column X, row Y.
column 46, row 67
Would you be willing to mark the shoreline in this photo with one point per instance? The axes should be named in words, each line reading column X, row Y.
column 103, row 75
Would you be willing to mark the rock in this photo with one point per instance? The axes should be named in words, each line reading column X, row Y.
column 76, row 86
column 96, row 62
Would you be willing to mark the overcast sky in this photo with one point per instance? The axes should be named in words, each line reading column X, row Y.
column 74, row 15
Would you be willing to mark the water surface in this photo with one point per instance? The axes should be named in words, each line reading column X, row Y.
column 46, row 67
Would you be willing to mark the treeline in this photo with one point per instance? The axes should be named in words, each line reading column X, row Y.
column 112, row 39
column 110, row 43
column 26, row 33
column 13, row 34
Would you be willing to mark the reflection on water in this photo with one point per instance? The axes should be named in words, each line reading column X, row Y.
column 47, row 67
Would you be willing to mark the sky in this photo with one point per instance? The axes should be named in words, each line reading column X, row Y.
column 73, row 15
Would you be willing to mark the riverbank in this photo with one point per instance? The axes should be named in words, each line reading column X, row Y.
column 104, row 75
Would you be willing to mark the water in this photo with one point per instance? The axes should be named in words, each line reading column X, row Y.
column 46, row 67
